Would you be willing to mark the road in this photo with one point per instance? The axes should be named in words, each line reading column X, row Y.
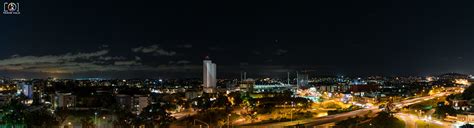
column 181, row 115
column 342, row 116
column 410, row 121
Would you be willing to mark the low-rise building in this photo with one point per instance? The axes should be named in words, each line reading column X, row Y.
column 134, row 103
column 189, row 95
column 139, row 102
column 64, row 100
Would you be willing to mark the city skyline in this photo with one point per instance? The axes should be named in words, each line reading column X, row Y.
column 237, row 64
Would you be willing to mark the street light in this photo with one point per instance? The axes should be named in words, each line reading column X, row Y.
column 95, row 118
column 228, row 120
column 291, row 114
column 291, row 111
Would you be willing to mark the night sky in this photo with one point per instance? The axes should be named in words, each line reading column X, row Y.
column 169, row 39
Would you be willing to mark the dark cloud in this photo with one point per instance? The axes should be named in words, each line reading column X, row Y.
column 155, row 50
column 280, row 52
column 107, row 58
column 138, row 58
column 179, row 62
column 128, row 63
column 185, row 46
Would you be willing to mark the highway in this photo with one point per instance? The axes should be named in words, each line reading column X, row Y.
column 410, row 121
column 181, row 115
column 342, row 116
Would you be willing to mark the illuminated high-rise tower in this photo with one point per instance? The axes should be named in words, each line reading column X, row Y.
column 209, row 75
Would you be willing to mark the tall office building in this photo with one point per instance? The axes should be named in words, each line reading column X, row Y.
column 27, row 90
column 209, row 76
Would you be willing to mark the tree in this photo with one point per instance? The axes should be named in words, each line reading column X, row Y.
column 41, row 117
column 156, row 115
column 266, row 108
column 386, row 120
column 221, row 102
column 14, row 112
column 235, row 98
column 441, row 111
column 468, row 93
column 248, row 104
column 87, row 122
column 124, row 117
column 181, row 102
column 202, row 103
column 61, row 114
